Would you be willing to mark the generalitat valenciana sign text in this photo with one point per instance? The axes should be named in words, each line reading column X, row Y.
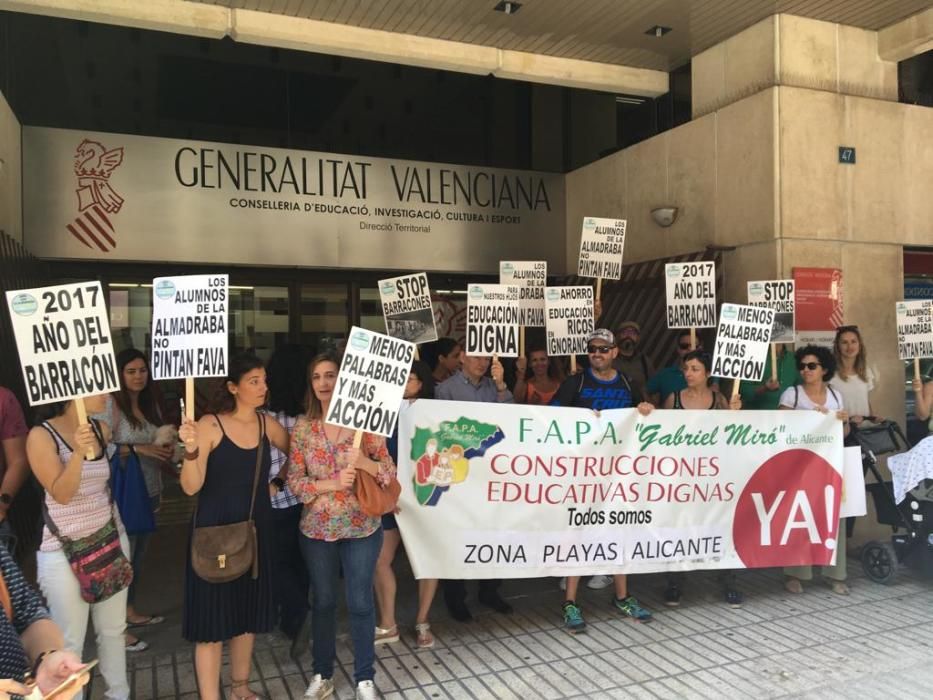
column 122, row 197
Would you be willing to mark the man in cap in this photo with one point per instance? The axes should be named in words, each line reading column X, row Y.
column 632, row 361
column 601, row 386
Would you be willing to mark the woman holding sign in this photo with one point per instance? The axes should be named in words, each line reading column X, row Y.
column 817, row 365
column 538, row 385
column 228, row 468
column 337, row 533
column 698, row 395
column 82, row 527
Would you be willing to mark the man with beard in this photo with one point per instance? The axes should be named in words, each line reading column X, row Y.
column 632, row 361
column 600, row 387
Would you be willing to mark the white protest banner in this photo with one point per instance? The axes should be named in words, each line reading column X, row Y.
column 492, row 320
column 570, row 319
column 371, row 382
column 406, row 306
column 853, row 485
column 601, row 244
column 914, row 329
column 691, row 294
column 189, row 326
column 63, row 340
column 514, row 491
column 530, row 277
column 777, row 295
column 742, row 339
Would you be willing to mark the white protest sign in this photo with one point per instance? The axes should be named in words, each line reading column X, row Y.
column 691, row 294
column 492, row 320
column 601, row 244
column 63, row 340
column 777, row 295
column 915, row 329
column 406, row 306
column 742, row 340
column 371, row 382
column 853, row 503
column 189, row 326
column 570, row 319
column 530, row 278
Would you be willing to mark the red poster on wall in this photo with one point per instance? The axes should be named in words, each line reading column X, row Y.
column 818, row 304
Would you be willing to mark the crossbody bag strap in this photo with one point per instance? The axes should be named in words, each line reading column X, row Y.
column 46, row 517
column 259, row 451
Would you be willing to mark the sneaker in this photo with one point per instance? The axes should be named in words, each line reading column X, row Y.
column 734, row 598
column 386, row 635
column 597, row 583
column 319, row 688
column 630, row 608
column 672, row 595
column 573, row 618
column 366, row 690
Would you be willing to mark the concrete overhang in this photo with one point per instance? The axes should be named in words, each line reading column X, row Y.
column 907, row 38
column 268, row 29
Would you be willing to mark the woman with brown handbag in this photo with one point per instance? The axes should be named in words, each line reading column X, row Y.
column 229, row 581
column 337, row 532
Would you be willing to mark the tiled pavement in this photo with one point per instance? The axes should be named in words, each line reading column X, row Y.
column 877, row 643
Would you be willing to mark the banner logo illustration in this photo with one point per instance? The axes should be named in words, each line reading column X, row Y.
column 93, row 166
column 442, row 457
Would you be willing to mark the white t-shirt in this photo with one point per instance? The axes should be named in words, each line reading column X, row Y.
column 804, row 402
column 854, row 392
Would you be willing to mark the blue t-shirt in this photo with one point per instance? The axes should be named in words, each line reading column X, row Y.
column 586, row 390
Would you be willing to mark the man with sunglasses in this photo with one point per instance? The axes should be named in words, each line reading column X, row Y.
column 632, row 361
column 599, row 387
column 670, row 379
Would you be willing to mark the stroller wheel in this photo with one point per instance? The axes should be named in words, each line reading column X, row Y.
column 879, row 560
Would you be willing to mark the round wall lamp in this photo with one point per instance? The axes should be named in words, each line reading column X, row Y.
column 664, row 216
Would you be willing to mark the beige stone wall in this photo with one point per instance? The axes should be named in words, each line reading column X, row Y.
column 11, row 209
column 718, row 170
column 795, row 51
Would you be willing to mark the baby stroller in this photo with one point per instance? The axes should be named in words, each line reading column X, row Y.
column 911, row 520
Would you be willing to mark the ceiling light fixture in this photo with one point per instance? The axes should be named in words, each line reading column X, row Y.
column 658, row 31
column 508, row 7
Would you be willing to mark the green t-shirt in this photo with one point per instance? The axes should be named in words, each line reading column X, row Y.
column 787, row 376
column 666, row 382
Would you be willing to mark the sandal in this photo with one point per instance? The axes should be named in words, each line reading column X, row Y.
column 838, row 587
column 146, row 621
column 243, row 684
column 793, row 585
column 386, row 635
column 424, row 639
column 138, row 645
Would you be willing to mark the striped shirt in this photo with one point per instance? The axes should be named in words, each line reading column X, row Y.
column 284, row 498
column 89, row 509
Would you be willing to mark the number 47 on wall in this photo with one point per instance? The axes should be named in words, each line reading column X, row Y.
column 847, row 155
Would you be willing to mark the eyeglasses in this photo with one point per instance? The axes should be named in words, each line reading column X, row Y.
column 684, row 346
column 601, row 349
column 808, row 365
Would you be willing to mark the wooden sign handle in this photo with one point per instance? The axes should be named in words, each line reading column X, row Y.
column 774, row 373
column 599, row 288
column 917, row 368
column 573, row 364
column 521, row 341
column 357, row 438
column 417, row 354
column 735, row 387
column 693, row 338
column 189, row 398
column 82, row 420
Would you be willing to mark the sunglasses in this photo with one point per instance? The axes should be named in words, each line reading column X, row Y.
column 808, row 365
column 601, row 349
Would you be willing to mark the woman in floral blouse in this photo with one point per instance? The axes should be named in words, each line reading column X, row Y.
column 322, row 470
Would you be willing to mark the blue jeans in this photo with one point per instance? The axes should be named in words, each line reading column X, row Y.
column 358, row 559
